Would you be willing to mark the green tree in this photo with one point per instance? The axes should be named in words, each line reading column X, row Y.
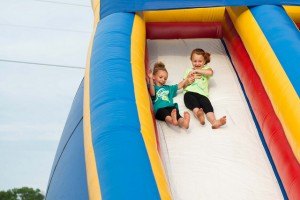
column 23, row 193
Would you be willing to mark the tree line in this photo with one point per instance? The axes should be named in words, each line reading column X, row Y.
column 24, row 193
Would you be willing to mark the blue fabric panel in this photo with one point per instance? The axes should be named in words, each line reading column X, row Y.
column 112, row 6
column 68, row 171
column 68, row 181
column 283, row 37
column 74, row 118
column 123, row 165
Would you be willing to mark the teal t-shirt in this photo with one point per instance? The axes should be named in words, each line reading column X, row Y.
column 164, row 96
column 200, row 85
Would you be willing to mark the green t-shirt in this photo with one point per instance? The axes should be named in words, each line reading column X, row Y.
column 164, row 96
column 200, row 85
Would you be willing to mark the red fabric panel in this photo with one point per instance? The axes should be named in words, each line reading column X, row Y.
column 179, row 30
column 283, row 157
column 298, row 25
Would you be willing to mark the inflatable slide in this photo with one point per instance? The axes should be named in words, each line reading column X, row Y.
column 113, row 148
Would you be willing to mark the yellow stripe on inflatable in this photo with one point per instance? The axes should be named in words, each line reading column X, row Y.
column 215, row 14
column 138, row 40
column 283, row 96
column 293, row 12
column 90, row 161
column 96, row 10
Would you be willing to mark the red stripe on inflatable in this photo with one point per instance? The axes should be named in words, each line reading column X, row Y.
column 298, row 25
column 179, row 30
column 283, row 157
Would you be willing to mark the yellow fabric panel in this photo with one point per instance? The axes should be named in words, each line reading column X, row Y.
column 90, row 161
column 293, row 12
column 138, row 40
column 281, row 92
column 215, row 14
column 96, row 10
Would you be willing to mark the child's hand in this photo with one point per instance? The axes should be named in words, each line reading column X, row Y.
column 190, row 79
column 150, row 75
column 197, row 71
column 191, row 73
column 197, row 76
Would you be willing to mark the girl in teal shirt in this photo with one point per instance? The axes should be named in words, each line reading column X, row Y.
column 162, row 96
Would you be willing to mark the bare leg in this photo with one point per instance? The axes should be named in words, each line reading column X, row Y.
column 199, row 114
column 215, row 123
column 185, row 121
column 174, row 117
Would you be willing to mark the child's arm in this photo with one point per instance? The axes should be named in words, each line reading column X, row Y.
column 185, row 82
column 206, row 72
column 188, row 80
column 151, row 83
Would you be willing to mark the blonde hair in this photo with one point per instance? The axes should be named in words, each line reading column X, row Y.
column 199, row 51
column 159, row 66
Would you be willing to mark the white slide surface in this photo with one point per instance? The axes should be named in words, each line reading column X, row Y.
column 213, row 164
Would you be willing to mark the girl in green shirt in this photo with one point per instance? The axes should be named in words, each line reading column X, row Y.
column 196, row 93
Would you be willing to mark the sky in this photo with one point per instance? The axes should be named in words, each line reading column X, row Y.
column 43, row 50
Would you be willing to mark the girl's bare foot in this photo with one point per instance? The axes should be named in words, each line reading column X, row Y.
column 200, row 116
column 174, row 117
column 218, row 123
column 185, row 121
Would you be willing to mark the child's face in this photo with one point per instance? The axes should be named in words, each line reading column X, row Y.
column 198, row 60
column 161, row 77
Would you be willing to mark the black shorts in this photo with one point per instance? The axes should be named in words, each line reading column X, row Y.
column 194, row 100
column 162, row 113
